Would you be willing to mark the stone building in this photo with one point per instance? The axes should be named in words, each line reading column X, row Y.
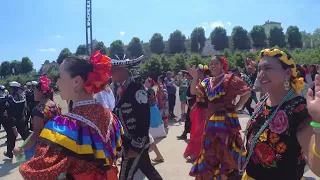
column 269, row 24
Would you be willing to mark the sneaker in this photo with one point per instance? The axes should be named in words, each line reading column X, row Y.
column 8, row 155
column 182, row 137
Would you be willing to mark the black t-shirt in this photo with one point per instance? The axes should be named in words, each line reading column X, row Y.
column 277, row 154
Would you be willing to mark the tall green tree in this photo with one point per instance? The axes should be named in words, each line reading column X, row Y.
column 116, row 48
column 16, row 65
column 152, row 68
column 240, row 38
column 100, row 46
column 166, row 64
column 81, row 50
column 198, row 39
column 178, row 63
column 316, row 38
column 26, row 65
column 195, row 59
column 176, row 42
column 135, row 47
column 5, row 68
column 306, row 39
column 219, row 38
column 156, row 44
column 258, row 36
column 63, row 54
column 294, row 37
column 277, row 37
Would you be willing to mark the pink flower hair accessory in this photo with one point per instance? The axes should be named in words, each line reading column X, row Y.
column 45, row 84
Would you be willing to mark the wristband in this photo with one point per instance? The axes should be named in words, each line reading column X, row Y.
column 314, row 151
column 315, row 124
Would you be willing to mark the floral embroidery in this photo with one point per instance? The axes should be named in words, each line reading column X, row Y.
column 273, row 138
column 279, row 123
column 263, row 136
column 299, row 108
column 265, row 154
column 281, row 147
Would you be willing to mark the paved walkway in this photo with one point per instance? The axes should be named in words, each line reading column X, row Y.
column 174, row 167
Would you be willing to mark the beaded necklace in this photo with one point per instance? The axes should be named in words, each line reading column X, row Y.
column 82, row 103
column 254, row 140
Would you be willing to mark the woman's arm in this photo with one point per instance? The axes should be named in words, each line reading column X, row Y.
column 243, row 99
column 307, row 138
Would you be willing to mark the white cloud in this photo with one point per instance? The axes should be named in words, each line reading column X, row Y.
column 58, row 36
column 122, row 33
column 47, row 50
column 213, row 25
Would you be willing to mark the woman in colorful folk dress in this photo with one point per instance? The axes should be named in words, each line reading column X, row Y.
column 278, row 132
column 221, row 139
column 82, row 143
column 196, row 117
column 163, row 101
column 44, row 111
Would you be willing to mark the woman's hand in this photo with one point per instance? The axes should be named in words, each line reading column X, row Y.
column 193, row 72
column 314, row 101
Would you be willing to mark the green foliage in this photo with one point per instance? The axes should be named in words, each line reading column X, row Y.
column 100, row 46
column 26, row 65
column 116, row 47
column 219, row 38
column 22, row 79
column 135, row 47
column 306, row 39
column 316, row 38
column 5, row 68
column 152, row 68
column 198, row 39
column 258, row 36
column 176, row 42
column 156, row 43
column 15, row 67
column 277, row 37
column 166, row 64
column 81, row 50
column 240, row 38
column 294, row 37
column 178, row 63
column 63, row 54
column 195, row 59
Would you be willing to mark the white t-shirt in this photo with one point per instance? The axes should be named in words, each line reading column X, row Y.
column 106, row 98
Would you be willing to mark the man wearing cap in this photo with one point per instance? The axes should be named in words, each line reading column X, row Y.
column 16, row 116
column 133, row 109
column 3, row 108
column 172, row 89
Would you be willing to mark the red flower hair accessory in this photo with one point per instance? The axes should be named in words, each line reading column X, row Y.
column 101, row 73
column 151, row 81
column 224, row 64
column 45, row 84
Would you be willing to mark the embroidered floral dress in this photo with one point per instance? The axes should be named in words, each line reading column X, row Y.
column 82, row 143
column 221, row 140
column 163, row 101
column 277, row 154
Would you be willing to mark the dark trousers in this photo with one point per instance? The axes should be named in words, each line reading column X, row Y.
column 187, row 123
column 172, row 103
column 247, row 105
column 129, row 167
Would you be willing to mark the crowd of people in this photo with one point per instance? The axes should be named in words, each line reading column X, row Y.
column 119, row 119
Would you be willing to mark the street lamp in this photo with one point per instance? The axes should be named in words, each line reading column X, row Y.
column 89, row 26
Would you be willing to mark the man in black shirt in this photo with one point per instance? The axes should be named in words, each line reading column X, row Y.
column 133, row 109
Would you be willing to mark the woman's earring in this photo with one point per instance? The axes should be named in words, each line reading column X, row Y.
column 286, row 85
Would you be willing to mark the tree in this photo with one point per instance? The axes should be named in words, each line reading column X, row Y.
column 116, row 48
column 5, row 68
column 176, row 42
column 63, row 54
column 258, row 36
column 135, row 47
column 219, row 38
column 166, row 64
column 81, row 50
column 294, row 37
column 240, row 38
column 306, row 39
column 26, row 65
column 152, row 68
column 277, row 37
column 100, row 46
column 156, row 44
column 195, row 59
column 178, row 63
column 16, row 65
column 316, row 38
column 198, row 39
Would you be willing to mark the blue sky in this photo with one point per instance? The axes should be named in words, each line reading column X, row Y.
column 40, row 29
